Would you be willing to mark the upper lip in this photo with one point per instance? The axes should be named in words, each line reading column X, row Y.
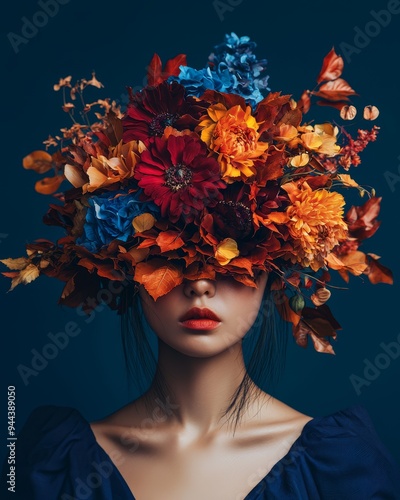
column 199, row 313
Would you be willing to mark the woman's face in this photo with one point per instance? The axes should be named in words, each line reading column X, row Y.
column 204, row 317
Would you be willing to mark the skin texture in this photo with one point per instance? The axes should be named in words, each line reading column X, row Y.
column 183, row 449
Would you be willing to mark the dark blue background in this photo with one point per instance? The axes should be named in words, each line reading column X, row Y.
column 117, row 39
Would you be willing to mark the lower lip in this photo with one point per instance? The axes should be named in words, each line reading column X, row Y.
column 201, row 324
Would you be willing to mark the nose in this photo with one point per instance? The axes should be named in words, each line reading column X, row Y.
column 198, row 288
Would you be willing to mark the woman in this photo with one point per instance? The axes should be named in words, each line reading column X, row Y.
column 215, row 208
column 183, row 446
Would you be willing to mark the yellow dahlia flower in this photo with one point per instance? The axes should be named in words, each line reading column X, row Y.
column 315, row 223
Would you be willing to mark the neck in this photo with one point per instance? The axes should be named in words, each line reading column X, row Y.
column 200, row 388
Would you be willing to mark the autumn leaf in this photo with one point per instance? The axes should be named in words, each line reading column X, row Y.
column 362, row 221
column 155, row 74
column 169, row 240
column 300, row 160
column 25, row 276
column 172, row 66
column 377, row 273
column 143, row 222
column 321, row 345
column 336, row 90
column 332, row 67
column 354, row 262
column 347, row 180
column 226, row 251
column 286, row 133
column 15, row 264
column 304, row 103
column 300, row 333
column 39, row 161
column 282, row 304
column 49, row 185
column 158, row 276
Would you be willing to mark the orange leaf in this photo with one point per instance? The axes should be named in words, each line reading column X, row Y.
column 278, row 217
column 143, row 222
column 39, row 161
column 377, row 273
column 169, row 240
column 355, row 262
column 158, row 276
column 226, row 251
column 282, row 304
column 332, row 67
column 336, row 90
column 49, row 185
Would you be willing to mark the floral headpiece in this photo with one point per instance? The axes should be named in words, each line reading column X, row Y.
column 207, row 173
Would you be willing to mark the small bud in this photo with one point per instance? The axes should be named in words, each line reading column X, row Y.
column 297, row 303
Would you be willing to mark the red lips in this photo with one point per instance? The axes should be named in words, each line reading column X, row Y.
column 197, row 313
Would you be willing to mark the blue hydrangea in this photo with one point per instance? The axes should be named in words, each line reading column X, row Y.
column 233, row 68
column 109, row 217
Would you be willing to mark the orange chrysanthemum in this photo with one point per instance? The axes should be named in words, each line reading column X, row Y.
column 233, row 135
column 316, row 223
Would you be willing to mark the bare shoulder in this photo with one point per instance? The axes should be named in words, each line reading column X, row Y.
column 132, row 423
column 276, row 420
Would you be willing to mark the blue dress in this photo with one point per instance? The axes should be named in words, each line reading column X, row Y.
column 336, row 457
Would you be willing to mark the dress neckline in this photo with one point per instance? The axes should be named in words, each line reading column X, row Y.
column 295, row 447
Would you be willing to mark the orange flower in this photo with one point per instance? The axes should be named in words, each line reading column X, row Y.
column 104, row 171
column 316, row 223
column 233, row 135
column 321, row 138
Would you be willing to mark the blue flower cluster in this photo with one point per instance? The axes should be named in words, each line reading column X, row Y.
column 110, row 217
column 233, row 68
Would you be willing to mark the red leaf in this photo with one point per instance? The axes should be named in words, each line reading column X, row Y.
column 154, row 71
column 332, row 67
column 362, row 220
column 304, row 103
column 321, row 321
column 337, row 104
column 336, row 90
column 172, row 66
column 300, row 332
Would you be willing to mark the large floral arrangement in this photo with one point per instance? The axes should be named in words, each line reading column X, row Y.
column 208, row 172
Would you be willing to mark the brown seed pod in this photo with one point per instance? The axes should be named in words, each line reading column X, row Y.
column 321, row 296
column 348, row 112
column 371, row 113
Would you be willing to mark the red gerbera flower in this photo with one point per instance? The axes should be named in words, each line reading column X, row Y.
column 180, row 177
column 155, row 108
